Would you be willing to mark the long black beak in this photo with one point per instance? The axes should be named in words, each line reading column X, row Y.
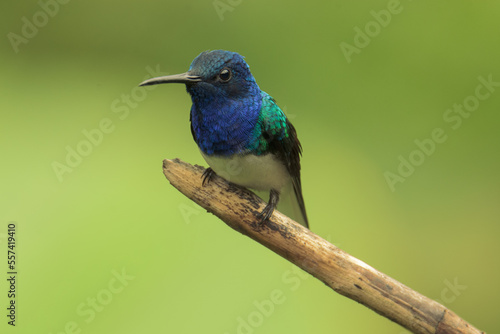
column 185, row 78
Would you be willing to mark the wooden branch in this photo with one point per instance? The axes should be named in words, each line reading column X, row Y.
column 345, row 274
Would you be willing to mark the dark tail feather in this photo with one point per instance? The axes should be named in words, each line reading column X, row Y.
column 297, row 190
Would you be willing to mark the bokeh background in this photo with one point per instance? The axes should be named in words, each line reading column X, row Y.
column 181, row 270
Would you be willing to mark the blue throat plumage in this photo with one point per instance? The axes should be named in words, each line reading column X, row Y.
column 233, row 121
column 223, row 119
column 219, row 130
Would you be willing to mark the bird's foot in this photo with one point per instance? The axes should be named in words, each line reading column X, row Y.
column 274, row 197
column 207, row 176
column 266, row 213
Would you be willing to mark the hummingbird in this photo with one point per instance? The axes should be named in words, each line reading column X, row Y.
column 235, row 123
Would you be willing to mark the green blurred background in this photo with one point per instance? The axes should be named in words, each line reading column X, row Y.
column 181, row 269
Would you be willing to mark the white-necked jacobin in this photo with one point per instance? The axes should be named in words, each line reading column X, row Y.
column 235, row 122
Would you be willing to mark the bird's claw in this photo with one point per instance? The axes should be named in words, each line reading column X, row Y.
column 274, row 197
column 266, row 213
column 207, row 176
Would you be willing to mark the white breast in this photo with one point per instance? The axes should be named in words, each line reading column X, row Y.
column 256, row 172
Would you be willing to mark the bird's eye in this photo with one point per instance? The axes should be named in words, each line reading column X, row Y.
column 225, row 74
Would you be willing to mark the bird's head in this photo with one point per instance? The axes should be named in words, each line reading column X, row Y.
column 214, row 75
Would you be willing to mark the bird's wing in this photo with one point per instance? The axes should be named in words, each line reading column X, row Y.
column 281, row 138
